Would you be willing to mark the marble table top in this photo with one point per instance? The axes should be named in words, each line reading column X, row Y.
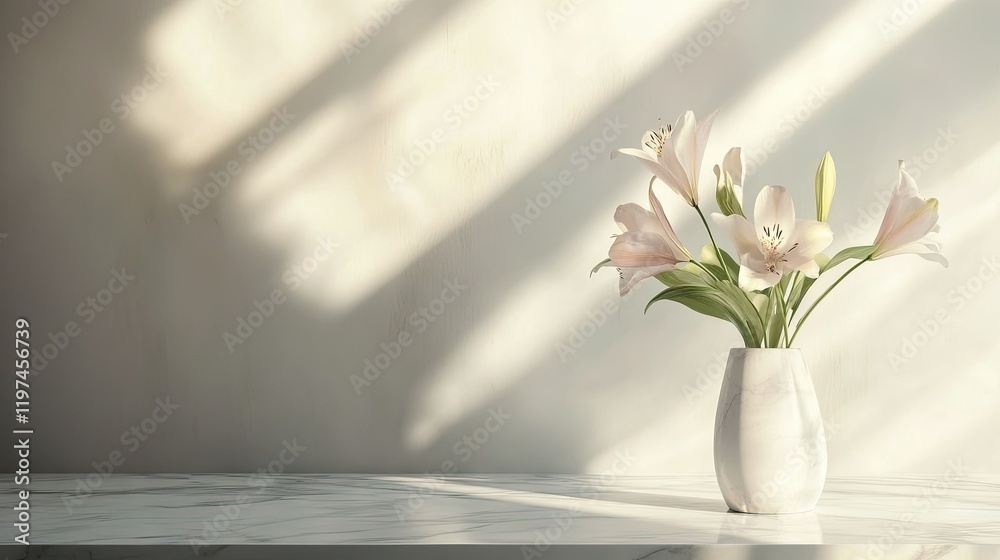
column 535, row 510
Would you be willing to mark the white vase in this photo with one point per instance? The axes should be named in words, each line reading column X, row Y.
column 770, row 447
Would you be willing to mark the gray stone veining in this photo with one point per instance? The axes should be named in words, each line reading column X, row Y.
column 220, row 509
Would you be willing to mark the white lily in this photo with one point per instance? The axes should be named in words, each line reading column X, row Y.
column 647, row 246
column 674, row 154
column 909, row 224
column 779, row 243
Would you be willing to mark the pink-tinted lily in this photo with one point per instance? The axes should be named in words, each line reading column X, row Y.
column 648, row 244
column 909, row 224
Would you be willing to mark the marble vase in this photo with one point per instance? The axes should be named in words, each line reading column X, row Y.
column 770, row 446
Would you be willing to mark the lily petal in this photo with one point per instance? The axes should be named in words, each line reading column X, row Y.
column 774, row 207
column 909, row 224
column 629, row 277
column 905, row 188
column 808, row 267
column 703, row 132
column 751, row 280
column 638, row 154
column 916, row 219
column 741, row 232
column 808, row 237
column 641, row 249
column 685, row 139
column 667, row 229
column 632, row 217
column 680, row 159
column 652, row 165
column 930, row 251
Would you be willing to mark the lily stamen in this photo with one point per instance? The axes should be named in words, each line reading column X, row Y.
column 784, row 244
column 658, row 138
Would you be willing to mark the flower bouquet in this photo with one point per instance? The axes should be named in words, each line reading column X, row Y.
column 759, row 288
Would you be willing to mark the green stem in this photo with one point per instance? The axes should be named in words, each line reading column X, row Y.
column 764, row 343
column 791, row 282
column 784, row 314
column 701, row 266
column 798, row 326
column 718, row 253
column 763, row 325
column 722, row 263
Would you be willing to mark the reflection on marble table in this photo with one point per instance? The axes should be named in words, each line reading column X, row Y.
column 227, row 509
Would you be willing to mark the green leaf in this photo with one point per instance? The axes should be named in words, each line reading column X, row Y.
column 862, row 252
column 715, row 299
column 710, row 260
column 709, row 257
column 826, row 185
column 716, row 272
column 785, row 280
column 731, row 264
column 799, row 289
column 743, row 311
column 773, row 318
column 759, row 301
column 601, row 264
column 678, row 277
column 693, row 268
column 696, row 298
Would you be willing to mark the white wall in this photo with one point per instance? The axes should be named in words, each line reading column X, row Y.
column 872, row 81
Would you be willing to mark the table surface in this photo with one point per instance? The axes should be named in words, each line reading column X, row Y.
column 220, row 509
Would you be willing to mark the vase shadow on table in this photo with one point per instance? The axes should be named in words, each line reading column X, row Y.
column 622, row 496
column 735, row 527
column 751, row 528
column 665, row 501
